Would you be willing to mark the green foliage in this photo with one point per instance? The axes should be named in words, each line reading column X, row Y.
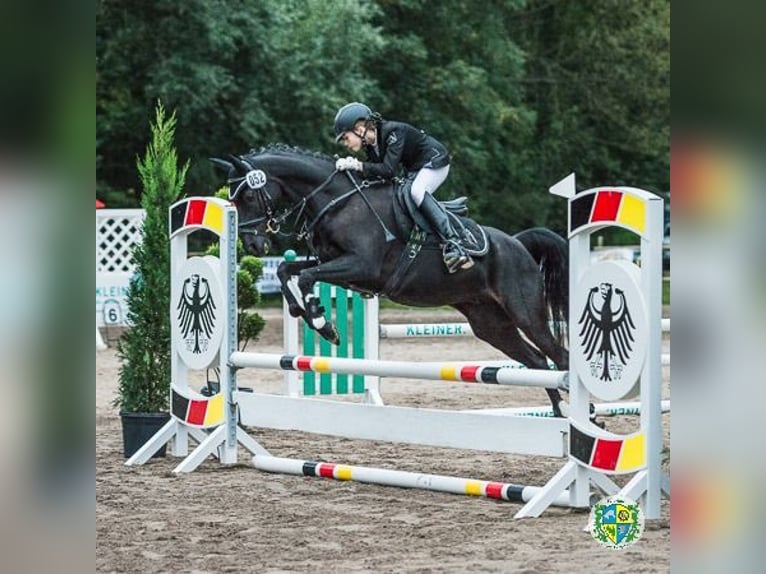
column 226, row 66
column 599, row 80
column 249, row 271
column 249, row 324
column 144, row 377
column 522, row 92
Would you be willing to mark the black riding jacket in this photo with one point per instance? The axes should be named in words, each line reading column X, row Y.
column 403, row 145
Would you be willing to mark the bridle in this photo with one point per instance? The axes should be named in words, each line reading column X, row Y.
column 252, row 186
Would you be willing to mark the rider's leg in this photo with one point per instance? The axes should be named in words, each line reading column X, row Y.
column 423, row 186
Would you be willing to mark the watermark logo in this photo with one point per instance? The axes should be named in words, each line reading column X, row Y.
column 616, row 522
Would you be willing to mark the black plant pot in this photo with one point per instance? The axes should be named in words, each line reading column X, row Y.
column 137, row 428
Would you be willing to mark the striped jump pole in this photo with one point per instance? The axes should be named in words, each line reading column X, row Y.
column 601, row 409
column 476, row 373
column 403, row 479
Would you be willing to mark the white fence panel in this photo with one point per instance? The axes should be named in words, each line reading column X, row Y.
column 117, row 232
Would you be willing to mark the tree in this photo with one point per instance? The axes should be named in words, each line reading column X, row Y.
column 522, row 92
column 599, row 78
column 144, row 377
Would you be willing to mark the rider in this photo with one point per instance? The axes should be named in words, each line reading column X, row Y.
column 390, row 144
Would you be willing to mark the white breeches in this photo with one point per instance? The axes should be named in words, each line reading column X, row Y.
column 427, row 181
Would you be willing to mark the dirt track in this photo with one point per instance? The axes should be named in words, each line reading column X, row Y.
column 241, row 520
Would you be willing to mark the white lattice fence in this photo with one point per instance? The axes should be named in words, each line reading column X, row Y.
column 117, row 231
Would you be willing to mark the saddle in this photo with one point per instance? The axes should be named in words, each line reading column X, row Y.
column 410, row 222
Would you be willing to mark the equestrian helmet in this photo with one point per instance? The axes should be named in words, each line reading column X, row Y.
column 348, row 115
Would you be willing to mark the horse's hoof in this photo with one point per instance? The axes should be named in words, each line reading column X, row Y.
column 599, row 424
column 330, row 333
column 295, row 311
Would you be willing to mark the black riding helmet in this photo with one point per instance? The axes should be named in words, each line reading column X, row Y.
column 348, row 115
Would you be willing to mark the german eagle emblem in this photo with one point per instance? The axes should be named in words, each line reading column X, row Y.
column 196, row 313
column 605, row 332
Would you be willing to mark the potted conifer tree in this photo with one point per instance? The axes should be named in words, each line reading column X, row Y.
column 144, row 350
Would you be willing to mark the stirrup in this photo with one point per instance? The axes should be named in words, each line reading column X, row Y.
column 468, row 262
column 455, row 257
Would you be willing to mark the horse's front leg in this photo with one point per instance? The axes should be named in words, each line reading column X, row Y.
column 350, row 268
column 288, row 272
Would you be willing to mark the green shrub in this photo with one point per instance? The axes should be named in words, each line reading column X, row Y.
column 250, row 269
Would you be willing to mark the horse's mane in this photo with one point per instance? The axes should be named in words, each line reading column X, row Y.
column 285, row 149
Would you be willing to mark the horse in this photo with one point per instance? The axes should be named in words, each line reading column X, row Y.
column 515, row 291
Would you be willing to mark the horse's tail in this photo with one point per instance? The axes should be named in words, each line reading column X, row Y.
column 551, row 252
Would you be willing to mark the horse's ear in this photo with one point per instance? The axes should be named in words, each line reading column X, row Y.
column 222, row 163
column 242, row 165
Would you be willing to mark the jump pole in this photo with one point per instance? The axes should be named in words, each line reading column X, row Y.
column 471, row 373
column 601, row 409
column 427, row 330
column 443, row 330
column 403, row 479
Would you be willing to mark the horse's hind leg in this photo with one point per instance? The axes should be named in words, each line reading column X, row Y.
column 491, row 323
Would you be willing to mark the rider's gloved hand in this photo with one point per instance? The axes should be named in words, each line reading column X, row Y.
column 348, row 163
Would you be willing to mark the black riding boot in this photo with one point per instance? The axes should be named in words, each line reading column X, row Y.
column 455, row 256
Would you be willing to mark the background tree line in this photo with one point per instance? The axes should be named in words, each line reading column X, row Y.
column 523, row 92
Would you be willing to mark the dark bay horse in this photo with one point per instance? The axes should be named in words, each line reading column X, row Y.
column 508, row 297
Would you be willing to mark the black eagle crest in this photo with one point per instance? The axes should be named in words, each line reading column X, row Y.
column 607, row 332
column 196, row 312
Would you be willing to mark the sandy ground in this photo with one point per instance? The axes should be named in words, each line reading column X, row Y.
column 238, row 519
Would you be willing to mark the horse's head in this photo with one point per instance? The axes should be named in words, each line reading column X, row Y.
column 261, row 181
column 256, row 199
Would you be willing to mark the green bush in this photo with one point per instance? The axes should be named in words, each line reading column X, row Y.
column 249, row 270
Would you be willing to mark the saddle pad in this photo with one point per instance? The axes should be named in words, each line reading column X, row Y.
column 407, row 213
